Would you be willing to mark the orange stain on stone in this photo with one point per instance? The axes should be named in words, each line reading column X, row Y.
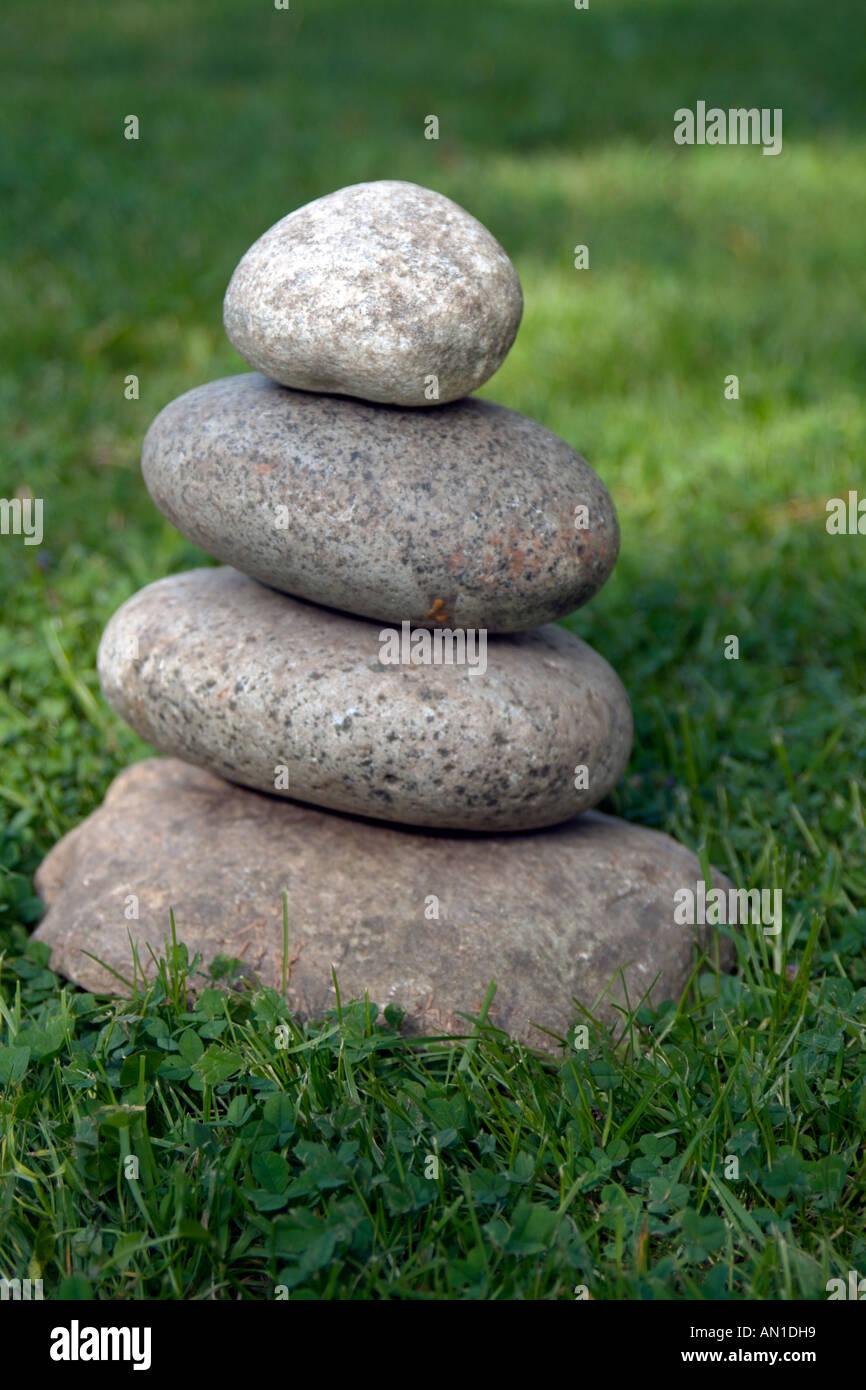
column 437, row 612
column 516, row 562
column 457, row 559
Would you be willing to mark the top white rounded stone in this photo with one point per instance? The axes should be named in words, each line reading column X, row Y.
column 385, row 291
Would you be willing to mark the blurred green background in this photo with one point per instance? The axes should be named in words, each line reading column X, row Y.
column 556, row 129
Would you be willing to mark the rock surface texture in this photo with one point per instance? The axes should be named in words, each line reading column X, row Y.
column 467, row 512
column 212, row 667
column 548, row 916
column 384, row 290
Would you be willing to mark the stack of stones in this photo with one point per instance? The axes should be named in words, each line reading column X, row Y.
column 374, row 659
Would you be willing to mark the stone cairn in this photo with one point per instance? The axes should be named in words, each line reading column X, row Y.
column 377, row 643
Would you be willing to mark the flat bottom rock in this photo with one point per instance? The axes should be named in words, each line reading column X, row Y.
column 550, row 915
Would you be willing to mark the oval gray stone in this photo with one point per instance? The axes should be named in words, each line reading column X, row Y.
column 264, row 689
column 381, row 290
column 465, row 515
column 421, row 920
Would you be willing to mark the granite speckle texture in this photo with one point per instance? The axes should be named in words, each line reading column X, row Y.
column 465, row 514
column 370, row 291
column 549, row 917
column 215, row 668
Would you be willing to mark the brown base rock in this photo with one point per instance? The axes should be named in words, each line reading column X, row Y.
column 421, row 919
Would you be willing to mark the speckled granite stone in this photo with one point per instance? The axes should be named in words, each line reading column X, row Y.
column 466, row 514
column 372, row 290
column 549, row 917
column 217, row 669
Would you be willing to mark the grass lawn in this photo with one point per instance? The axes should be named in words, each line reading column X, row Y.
column 304, row 1166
